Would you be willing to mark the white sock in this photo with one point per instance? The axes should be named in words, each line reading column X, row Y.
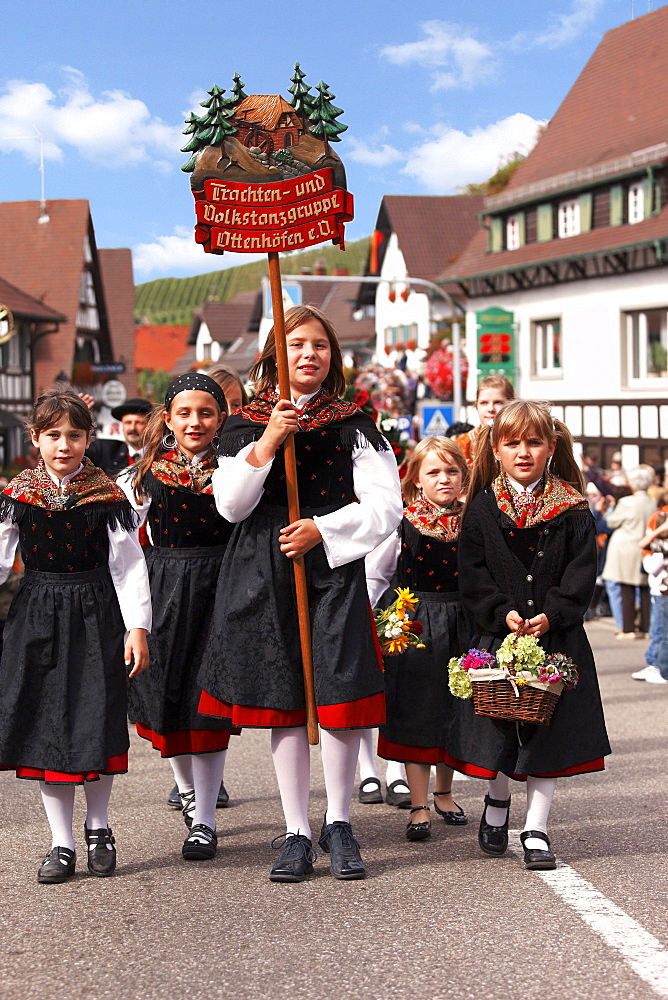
column 292, row 762
column 339, row 751
column 539, row 799
column 97, row 802
column 367, row 757
column 182, row 766
column 395, row 772
column 499, row 788
column 58, row 802
column 207, row 770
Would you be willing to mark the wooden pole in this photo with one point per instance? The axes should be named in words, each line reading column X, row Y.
column 293, row 502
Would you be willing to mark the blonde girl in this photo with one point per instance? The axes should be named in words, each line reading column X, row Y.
column 493, row 391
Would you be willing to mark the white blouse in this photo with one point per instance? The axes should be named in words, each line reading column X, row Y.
column 127, row 567
column 347, row 534
column 380, row 566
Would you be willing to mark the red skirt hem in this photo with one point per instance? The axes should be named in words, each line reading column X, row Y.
column 115, row 765
column 474, row 771
column 365, row 713
column 408, row 754
column 186, row 740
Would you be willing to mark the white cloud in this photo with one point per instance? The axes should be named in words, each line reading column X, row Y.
column 452, row 158
column 451, row 52
column 113, row 129
column 179, row 252
column 372, row 154
column 563, row 29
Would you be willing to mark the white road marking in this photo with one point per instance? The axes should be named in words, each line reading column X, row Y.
column 640, row 950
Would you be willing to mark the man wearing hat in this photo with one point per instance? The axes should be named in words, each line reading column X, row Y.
column 112, row 455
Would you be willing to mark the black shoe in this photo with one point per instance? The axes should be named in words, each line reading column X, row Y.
column 418, row 831
column 58, row 865
column 174, row 799
column 187, row 807
column 345, row 861
column 457, row 818
column 223, row 800
column 534, row 858
column 201, row 844
column 296, row 859
column 493, row 840
column 369, row 792
column 402, row 800
column 101, row 860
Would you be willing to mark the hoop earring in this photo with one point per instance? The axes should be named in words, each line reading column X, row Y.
column 166, row 444
column 215, row 441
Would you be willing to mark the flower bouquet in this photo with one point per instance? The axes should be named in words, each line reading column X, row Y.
column 521, row 683
column 395, row 629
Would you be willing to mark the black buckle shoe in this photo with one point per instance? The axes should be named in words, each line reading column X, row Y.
column 345, row 860
column 401, row 800
column 58, row 865
column 101, row 859
column 418, row 831
column 201, row 843
column 451, row 817
column 493, row 840
column 534, row 858
column 296, row 859
column 369, row 792
column 174, row 799
column 223, row 800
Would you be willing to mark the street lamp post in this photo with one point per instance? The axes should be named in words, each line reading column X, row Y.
column 431, row 286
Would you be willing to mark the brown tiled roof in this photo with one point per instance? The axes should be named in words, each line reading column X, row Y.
column 476, row 261
column 615, row 108
column 119, row 294
column 46, row 261
column 265, row 110
column 23, row 305
column 431, row 231
column 234, row 323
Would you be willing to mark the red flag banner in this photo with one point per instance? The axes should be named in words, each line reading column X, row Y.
column 284, row 215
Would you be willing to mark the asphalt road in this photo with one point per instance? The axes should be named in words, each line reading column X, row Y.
column 432, row 920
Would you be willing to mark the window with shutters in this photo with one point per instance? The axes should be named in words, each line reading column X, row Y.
column 636, row 210
column 546, row 348
column 569, row 218
column 645, row 334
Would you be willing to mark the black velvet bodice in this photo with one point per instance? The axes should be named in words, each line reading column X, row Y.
column 179, row 518
column 64, row 541
column 523, row 542
column 324, row 472
column 427, row 564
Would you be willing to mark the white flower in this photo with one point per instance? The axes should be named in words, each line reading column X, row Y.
column 389, row 424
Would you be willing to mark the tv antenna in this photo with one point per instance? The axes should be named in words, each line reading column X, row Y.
column 43, row 214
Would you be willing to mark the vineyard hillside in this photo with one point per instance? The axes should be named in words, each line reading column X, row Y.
column 171, row 301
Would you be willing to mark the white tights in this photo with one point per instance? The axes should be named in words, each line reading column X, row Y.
column 203, row 773
column 367, row 761
column 292, row 763
column 540, row 792
column 58, row 801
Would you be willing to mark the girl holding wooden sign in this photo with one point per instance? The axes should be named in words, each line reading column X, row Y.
column 350, row 500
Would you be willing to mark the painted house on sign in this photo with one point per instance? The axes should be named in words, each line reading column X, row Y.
column 267, row 122
column 415, row 236
column 566, row 277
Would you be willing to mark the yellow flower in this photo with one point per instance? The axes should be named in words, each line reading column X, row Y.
column 520, row 681
column 405, row 599
column 397, row 645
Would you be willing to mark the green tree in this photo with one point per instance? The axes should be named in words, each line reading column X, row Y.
column 499, row 180
column 153, row 384
column 237, row 90
column 209, row 129
column 324, row 114
column 302, row 99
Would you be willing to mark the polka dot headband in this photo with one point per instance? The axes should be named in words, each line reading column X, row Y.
column 199, row 383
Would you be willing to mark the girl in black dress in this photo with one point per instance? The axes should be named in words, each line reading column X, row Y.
column 63, row 709
column 171, row 488
column 350, row 501
column 424, row 554
column 527, row 559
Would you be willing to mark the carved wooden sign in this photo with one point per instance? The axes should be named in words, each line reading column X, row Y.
column 263, row 173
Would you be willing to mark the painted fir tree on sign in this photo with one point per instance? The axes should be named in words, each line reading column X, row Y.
column 263, row 171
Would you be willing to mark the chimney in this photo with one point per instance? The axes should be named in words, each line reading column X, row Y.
column 320, row 267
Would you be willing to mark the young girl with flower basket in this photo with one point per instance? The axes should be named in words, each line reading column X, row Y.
column 527, row 563
column 171, row 488
column 350, row 501
column 424, row 553
column 63, row 675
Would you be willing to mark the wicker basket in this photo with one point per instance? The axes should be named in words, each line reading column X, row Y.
column 500, row 699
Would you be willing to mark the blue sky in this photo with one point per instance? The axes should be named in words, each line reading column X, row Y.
column 435, row 93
